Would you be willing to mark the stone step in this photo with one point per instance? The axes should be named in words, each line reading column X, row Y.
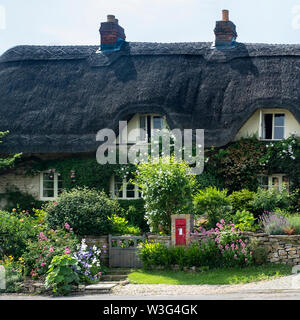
column 114, row 277
column 99, row 288
column 119, row 271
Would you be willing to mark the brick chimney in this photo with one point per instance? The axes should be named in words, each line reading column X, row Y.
column 225, row 31
column 112, row 35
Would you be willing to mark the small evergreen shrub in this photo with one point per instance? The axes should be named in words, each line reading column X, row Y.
column 241, row 200
column 86, row 210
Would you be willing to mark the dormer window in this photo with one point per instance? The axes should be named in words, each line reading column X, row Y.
column 148, row 123
column 273, row 126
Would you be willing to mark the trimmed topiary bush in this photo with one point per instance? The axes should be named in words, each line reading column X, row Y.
column 85, row 210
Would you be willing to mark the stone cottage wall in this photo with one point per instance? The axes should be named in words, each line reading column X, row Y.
column 25, row 183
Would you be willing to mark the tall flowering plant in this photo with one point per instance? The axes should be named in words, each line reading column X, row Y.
column 232, row 249
column 89, row 262
column 274, row 223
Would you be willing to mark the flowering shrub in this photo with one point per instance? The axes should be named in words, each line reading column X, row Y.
column 16, row 229
column 88, row 259
column 274, row 223
column 232, row 248
column 48, row 244
column 14, row 269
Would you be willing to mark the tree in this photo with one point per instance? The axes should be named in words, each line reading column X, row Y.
column 167, row 189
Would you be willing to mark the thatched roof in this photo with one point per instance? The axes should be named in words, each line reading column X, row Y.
column 55, row 99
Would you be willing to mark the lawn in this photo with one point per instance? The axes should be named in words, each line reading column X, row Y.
column 216, row 277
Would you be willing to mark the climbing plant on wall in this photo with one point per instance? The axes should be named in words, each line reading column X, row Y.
column 238, row 164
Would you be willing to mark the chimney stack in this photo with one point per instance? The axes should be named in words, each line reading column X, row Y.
column 112, row 35
column 225, row 32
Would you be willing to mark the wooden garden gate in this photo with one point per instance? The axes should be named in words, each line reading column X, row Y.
column 123, row 251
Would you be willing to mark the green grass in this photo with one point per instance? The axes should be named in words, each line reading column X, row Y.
column 215, row 277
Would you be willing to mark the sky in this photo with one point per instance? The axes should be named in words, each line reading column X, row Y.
column 76, row 22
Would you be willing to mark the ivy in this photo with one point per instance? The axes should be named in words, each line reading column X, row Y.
column 82, row 171
column 284, row 156
column 238, row 164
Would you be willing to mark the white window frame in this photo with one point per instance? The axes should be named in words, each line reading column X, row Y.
column 262, row 128
column 55, row 185
column 280, row 180
column 152, row 124
column 124, row 190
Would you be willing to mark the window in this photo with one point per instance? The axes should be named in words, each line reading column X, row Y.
column 273, row 126
column 276, row 181
column 148, row 123
column 50, row 185
column 122, row 189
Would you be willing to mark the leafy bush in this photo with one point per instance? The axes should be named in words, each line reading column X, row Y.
column 241, row 200
column 245, row 221
column 212, row 202
column 49, row 243
column 62, row 274
column 121, row 227
column 167, row 189
column 87, row 210
column 274, row 223
column 16, row 229
column 134, row 212
column 269, row 200
column 155, row 254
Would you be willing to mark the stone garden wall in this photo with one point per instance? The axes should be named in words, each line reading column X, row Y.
column 281, row 248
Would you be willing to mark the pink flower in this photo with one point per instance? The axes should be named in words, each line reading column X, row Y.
column 51, row 249
column 55, row 203
column 246, row 260
column 222, row 221
column 235, row 256
column 42, row 237
column 67, row 226
column 43, row 264
column 67, row 250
